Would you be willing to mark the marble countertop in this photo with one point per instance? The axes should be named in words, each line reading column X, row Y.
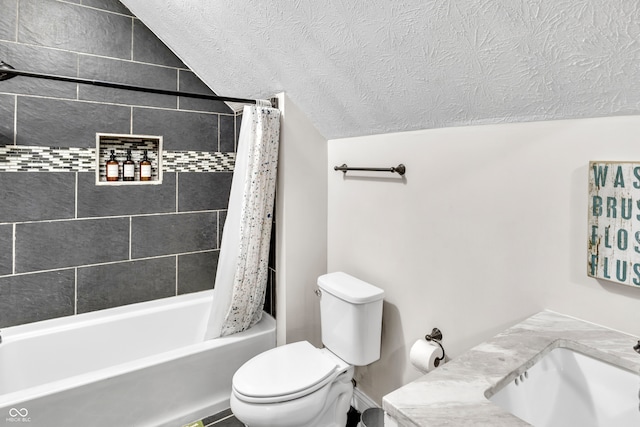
column 454, row 393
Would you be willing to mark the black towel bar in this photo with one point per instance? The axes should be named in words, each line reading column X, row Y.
column 400, row 169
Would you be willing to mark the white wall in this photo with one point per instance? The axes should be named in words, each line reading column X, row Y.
column 301, row 225
column 488, row 226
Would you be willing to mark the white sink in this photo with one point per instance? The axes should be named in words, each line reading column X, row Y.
column 567, row 388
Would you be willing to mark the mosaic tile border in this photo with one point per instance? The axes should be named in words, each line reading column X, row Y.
column 46, row 159
column 22, row 158
column 198, row 161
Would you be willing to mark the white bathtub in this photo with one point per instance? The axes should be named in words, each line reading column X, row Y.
column 138, row 365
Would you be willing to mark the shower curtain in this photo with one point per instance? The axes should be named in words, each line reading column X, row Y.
column 241, row 278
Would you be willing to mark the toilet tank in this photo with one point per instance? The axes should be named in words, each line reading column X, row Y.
column 351, row 317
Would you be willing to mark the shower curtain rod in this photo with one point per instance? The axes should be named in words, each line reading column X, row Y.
column 8, row 72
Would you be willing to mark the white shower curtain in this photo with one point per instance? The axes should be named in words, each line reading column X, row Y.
column 241, row 278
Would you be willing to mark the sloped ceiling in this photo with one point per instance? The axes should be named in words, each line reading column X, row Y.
column 359, row 67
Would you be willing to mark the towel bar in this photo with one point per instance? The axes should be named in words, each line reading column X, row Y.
column 400, row 169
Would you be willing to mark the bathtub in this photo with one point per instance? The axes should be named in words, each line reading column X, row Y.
column 139, row 365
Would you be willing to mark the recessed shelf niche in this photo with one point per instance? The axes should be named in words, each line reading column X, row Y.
column 120, row 143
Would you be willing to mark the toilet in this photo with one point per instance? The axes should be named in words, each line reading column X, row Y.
column 298, row 384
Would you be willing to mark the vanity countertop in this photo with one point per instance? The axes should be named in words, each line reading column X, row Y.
column 454, row 393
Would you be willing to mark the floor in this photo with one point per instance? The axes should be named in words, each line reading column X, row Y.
column 226, row 419
column 223, row 419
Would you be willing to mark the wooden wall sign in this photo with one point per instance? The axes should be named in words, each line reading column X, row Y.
column 614, row 222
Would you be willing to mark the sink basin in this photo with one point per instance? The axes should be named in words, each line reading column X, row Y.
column 568, row 388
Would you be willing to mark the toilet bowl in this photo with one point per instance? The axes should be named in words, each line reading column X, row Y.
column 291, row 386
column 299, row 385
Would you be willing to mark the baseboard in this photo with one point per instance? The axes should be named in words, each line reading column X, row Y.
column 361, row 401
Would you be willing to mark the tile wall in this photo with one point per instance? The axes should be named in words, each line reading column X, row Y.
column 68, row 246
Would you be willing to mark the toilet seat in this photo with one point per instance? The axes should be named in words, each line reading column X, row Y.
column 285, row 373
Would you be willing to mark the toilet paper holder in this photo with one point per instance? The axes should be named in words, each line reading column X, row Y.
column 436, row 336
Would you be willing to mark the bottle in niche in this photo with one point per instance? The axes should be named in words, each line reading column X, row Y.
column 113, row 167
column 128, row 168
column 145, row 168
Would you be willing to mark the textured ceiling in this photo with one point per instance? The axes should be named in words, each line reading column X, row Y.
column 359, row 67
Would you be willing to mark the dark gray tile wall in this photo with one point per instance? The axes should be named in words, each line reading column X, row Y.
column 238, row 124
column 110, row 5
column 227, row 133
column 157, row 235
column 204, row 191
column 7, row 108
column 6, row 249
column 99, row 201
column 9, row 22
column 76, row 28
column 32, row 297
column 197, row 272
column 40, row 60
column 59, row 244
column 81, row 247
column 190, row 83
column 148, row 48
column 222, row 216
column 36, row 196
column 129, row 73
column 64, row 123
column 203, row 128
column 112, row 285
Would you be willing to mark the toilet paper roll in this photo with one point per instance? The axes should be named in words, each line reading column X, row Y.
column 423, row 355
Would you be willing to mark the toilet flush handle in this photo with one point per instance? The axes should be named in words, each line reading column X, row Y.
column 318, row 292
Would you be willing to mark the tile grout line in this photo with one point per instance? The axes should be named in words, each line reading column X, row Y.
column 76, row 198
column 177, row 185
column 98, row 264
column 133, row 23
column 115, row 217
column 221, row 420
column 95, row 55
column 75, row 291
column 235, row 133
column 13, row 261
column 77, row 75
column 177, row 256
column 178, row 86
column 15, row 120
column 17, row 19
column 95, row 8
column 88, row 101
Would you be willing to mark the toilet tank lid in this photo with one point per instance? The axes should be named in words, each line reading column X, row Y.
column 349, row 288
